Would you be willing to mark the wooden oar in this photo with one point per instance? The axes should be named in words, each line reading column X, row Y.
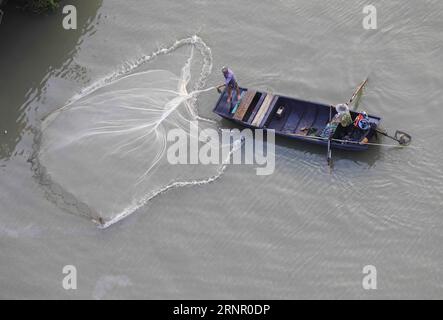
column 401, row 137
column 351, row 142
column 357, row 93
column 329, row 155
column 354, row 95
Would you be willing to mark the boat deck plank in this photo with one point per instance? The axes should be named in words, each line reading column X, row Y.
column 263, row 109
column 244, row 105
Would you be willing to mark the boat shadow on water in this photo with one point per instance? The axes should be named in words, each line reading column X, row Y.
column 368, row 157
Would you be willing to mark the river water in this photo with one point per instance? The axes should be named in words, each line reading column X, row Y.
column 301, row 232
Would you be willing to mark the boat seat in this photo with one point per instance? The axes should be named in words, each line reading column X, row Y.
column 263, row 109
column 244, row 105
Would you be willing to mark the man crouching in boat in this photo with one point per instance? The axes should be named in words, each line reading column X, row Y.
column 367, row 128
column 230, row 83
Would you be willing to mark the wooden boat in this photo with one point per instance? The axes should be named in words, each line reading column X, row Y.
column 293, row 118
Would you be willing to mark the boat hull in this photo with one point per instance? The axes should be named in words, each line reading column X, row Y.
column 261, row 110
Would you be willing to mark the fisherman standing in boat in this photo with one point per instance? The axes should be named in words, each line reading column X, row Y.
column 230, row 83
